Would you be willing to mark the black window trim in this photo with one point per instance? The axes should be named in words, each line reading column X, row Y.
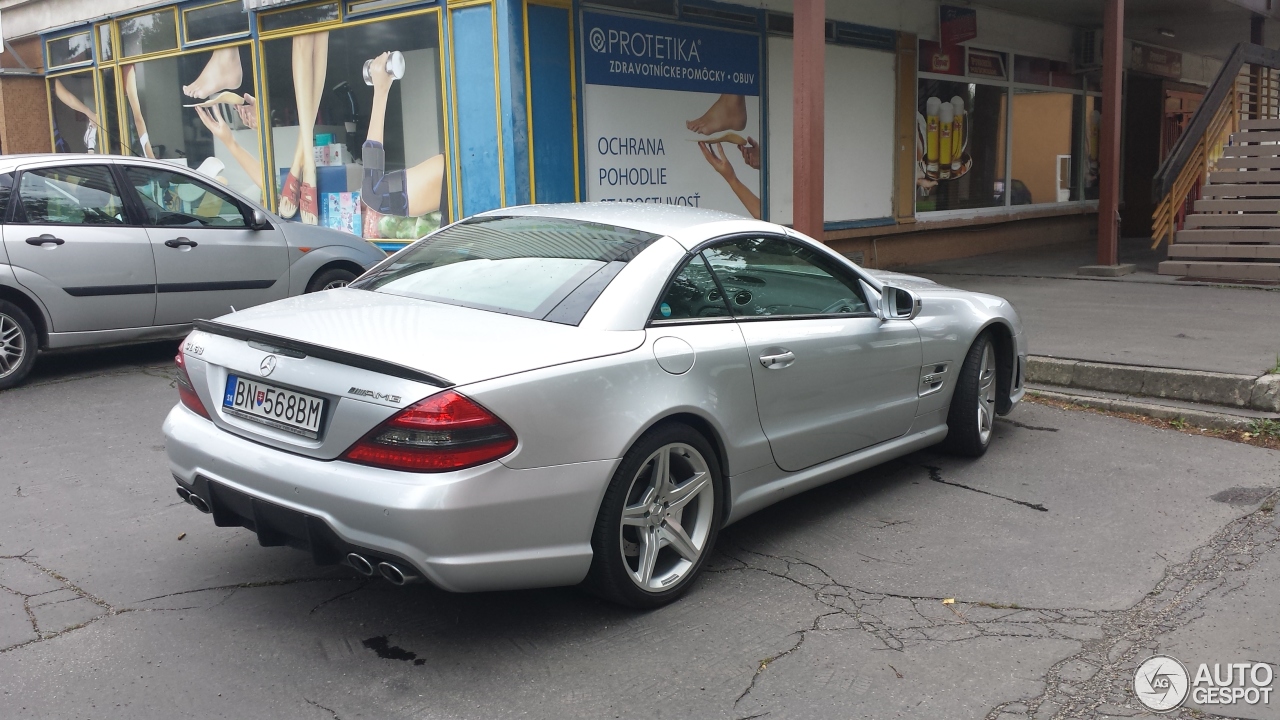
column 846, row 274
column 16, row 216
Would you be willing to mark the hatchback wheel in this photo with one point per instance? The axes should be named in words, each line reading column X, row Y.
column 973, row 406
column 18, row 344
column 659, row 519
column 330, row 279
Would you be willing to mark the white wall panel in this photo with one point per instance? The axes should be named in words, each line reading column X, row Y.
column 859, row 107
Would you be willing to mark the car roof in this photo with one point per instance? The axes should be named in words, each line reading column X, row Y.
column 669, row 220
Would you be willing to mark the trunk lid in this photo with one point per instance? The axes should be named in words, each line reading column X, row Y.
column 367, row 355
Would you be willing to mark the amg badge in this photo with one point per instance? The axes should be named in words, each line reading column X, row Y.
column 361, row 392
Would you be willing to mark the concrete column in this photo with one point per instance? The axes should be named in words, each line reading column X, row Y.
column 808, row 82
column 1109, row 155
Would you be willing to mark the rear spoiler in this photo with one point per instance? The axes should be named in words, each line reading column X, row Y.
column 287, row 346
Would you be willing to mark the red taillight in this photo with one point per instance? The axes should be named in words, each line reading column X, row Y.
column 187, row 391
column 443, row 432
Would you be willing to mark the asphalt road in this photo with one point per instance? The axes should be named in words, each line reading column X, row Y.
column 1076, row 548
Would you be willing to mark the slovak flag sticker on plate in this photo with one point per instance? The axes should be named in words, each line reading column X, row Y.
column 262, row 395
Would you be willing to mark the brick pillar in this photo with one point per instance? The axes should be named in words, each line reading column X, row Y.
column 808, row 82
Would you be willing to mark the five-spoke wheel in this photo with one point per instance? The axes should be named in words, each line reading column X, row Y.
column 659, row 519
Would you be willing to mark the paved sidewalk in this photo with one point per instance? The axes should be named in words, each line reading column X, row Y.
column 1140, row 319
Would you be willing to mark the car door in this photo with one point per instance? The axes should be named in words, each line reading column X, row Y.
column 71, row 241
column 830, row 376
column 209, row 259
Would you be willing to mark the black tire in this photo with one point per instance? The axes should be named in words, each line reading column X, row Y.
column 331, row 278
column 18, row 345
column 611, row 575
column 970, row 421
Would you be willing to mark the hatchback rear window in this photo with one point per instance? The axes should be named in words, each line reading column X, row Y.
column 535, row 267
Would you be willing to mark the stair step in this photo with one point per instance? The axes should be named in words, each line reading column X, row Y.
column 1248, row 163
column 1238, row 151
column 1240, row 190
column 1260, row 124
column 1227, row 235
column 1264, row 272
column 1251, row 205
column 1230, row 177
column 1191, row 251
column 1256, row 136
column 1233, row 220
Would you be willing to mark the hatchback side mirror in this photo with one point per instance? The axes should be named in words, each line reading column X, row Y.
column 898, row 304
column 260, row 221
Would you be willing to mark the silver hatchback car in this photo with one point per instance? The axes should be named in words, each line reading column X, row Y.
column 101, row 250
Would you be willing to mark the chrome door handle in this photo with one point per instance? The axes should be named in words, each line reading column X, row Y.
column 778, row 361
column 179, row 242
column 43, row 239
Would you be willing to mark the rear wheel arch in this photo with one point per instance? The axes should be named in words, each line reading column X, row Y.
column 31, row 308
column 708, row 431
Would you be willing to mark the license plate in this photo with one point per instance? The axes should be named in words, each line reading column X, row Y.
column 276, row 407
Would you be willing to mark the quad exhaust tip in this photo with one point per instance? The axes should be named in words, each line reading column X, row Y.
column 395, row 575
column 361, row 564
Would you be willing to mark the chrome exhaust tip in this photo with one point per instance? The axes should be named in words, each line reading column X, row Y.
column 198, row 503
column 395, row 575
column 184, row 493
column 361, row 564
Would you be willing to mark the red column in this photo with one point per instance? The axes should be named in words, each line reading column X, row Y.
column 1109, row 150
column 810, row 37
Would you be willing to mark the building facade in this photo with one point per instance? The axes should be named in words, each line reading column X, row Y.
column 949, row 131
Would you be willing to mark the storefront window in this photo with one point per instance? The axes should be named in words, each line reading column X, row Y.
column 197, row 110
column 225, row 19
column 70, row 50
column 106, row 52
column 1045, row 165
column 960, row 145
column 75, row 119
column 300, row 17
column 150, row 33
column 357, row 127
column 1092, row 128
column 110, row 113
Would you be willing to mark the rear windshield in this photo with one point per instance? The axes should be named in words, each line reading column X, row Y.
column 542, row 268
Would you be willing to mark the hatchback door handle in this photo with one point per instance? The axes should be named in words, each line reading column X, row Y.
column 778, row 360
column 46, row 238
column 179, row 242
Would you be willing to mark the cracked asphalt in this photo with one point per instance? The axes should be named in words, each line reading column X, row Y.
column 1079, row 546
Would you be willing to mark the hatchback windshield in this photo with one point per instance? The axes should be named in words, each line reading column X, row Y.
column 543, row 268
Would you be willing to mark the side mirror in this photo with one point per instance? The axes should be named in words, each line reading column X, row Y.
column 259, row 220
column 898, row 304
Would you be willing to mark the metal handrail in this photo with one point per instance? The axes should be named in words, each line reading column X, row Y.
column 1223, row 87
column 1200, row 145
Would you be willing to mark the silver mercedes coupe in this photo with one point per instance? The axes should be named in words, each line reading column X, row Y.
column 563, row 394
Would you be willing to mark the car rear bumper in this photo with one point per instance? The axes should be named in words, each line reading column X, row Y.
column 485, row 528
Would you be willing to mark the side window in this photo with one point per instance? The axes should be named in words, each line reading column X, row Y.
column 766, row 277
column 80, row 195
column 174, row 200
column 6, row 189
column 692, row 294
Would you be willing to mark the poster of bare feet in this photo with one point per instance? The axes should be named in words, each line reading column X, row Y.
column 672, row 114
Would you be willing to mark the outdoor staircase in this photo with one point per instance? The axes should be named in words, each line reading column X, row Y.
column 1234, row 232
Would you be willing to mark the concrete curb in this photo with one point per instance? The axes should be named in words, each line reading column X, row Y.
column 1197, row 418
column 1229, row 390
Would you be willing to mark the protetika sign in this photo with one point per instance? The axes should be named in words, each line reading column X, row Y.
column 631, row 52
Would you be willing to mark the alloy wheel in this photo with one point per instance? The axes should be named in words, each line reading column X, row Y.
column 667, row 518
column 986, row 393
column 13, row 346
column 335, row 284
